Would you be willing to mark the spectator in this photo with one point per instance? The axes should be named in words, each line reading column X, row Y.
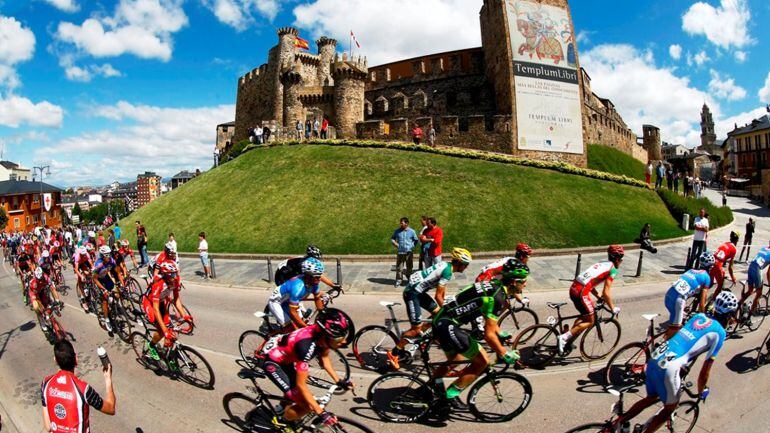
column 78, row 234
column 111, row 239
column 677, row 176
column 435, row 235
column 699, row 238
column 308, row 129
column 404, row 239
column 258, row 134
column 432, row 136
column 141, row 243
column 670, row 178
column 203, row 250
column 298, row 127
column 645, row 239
column 423, row 244
column 251, row 135
column 118, row 232
column 648, row 173
column 747, row 238
column 697, row 187
column 416, row 134
column 100, row 239
column 172, row 240
column 660, row 174
column 66, row 399
column 325, row 129
column 316, row 128
column 265, row 134
column 686, row 184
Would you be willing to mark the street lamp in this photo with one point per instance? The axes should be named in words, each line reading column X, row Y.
column 44, row 170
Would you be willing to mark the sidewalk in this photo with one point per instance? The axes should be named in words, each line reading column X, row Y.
column 548, row 273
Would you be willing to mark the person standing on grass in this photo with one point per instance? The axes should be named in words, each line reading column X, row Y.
column 111, row 239
column 423, row 245
column 432, row 136
column 203, row 250
column 141, row 243
column 648, row 173
column 417, row 134
column 699, row 238
column 118, row 232
column 324, row 129
column 172, row 240
column 298, row 128
column 660, row 173
column 435, row 235
column 404, row 239
column 677, row 175
column 670, row 178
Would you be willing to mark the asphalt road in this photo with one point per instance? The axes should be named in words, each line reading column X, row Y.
column 565, row 395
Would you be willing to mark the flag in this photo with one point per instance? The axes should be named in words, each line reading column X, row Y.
column 301, row 43
column 352, row 35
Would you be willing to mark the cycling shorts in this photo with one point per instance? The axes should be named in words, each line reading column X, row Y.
column 675, row 304
column 281, row 311
column 414, row 301
column 38, row 296
column 583, row 303
column 149, row 311
column 284, row 377
column 755, row 276
column 664, row 383
column 453, row 340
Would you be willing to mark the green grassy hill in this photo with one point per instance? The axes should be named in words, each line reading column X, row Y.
column 604, row 158
column 349, row 200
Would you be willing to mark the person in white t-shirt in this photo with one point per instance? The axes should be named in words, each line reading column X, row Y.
column 699, row 238
column 172, row 240
column 203, row 250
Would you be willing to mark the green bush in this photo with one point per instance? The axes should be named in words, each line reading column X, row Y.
column 610, row 160
column 679, row 205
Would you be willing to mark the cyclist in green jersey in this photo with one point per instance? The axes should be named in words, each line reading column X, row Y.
column 487, row 299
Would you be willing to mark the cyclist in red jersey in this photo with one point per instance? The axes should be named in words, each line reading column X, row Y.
column 125, row 251
column 167, row 255
column 163, row 291
column 585, row 285
column 494, row 270
column 38, row 294
column 724, row 254
column 82, row 265
column 66, row 399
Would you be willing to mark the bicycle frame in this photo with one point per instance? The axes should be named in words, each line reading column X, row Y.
column 559, row 319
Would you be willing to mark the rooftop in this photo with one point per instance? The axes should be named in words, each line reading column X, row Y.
column 227, row 124
column 756, row 125
column 16, row 187
column 148, row 174
column 184, row 174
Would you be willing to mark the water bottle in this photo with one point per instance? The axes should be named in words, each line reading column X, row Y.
column 103, row 357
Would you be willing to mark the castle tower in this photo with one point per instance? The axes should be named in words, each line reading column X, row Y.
column 651, row 140
column 286, row 50
column 708, row 137
column 327, row 48
column 349, row 85
column 293, row 110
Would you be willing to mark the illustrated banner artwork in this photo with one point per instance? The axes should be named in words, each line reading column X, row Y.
column 548, row 106
column 47, row 201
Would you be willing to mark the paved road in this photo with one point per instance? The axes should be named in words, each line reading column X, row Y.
column 564, row 395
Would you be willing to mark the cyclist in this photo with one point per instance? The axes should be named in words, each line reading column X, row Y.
column 293, row 267
column 82, row 265
column 125, row 251
column 725, row 254
column 285, row 302
column 485, row 299
column 56, row 254
column 162, row 293
column 38, row 295
column 286, row 365
column 104, row 275
column 416, row 297
column 495, row 269
column 168, row 254
column 760, row 262
column 24, row 265
column 585, row 285
column 690, row 284
column 703, row 333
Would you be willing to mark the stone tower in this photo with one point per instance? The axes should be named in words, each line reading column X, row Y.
column 285, row 58
column 327, row 48
column 652, row 143
column 349, row 86
column 708, row 137
column 291, row 80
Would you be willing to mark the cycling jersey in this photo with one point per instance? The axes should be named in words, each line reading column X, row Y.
column 760, row 262
column 162, row 293
column 288, row 270
column 102, row 267
column 45, row 264
column 126, row 251
column 37, row 290
column 690, row 283
column 725, row 253
column 483, row 299
column 67, row 399
column 23, row 260
column 82, row 262
column 430, row 278
column 293, row 291
column 595, row 275
column 493, row 270
column 296, row 348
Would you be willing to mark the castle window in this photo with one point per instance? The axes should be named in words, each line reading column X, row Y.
column 368, row 108
column 381, row 105
column 463, row 124
column 419, row 100
column 399, row 101
column 451, row 99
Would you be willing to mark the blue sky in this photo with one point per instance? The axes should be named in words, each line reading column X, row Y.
column 103, row 90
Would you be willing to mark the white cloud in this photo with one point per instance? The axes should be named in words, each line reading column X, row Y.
column 85, row 74
column 584, row 37
column 239, row 14
column 675, row 51
column 740, row 56
column 64, row 5
column 698, row 59
column 725, row 26
column 645, row 93
column 17, row 44
column 141, row 138
column 139, row 27
column 421, row 27
column 723, row 126
column 725, row 87
column 17, row 110
column 764, row 92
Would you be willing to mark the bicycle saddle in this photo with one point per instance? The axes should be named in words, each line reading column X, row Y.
column 249, row 374
column 555, row 304
column 259, row 314
column 649, row 317
column 388, row 304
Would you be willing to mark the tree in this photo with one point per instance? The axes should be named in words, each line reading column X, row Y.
column 3, row 219
column 76, row 210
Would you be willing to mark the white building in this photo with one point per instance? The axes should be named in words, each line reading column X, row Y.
column 10, row 169
column 669, row 151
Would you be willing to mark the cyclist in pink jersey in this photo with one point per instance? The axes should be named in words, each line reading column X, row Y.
column 584, row 285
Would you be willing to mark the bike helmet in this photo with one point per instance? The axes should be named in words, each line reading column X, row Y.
column 104, row 250
column 89, row 247
column 124, row 242
column 168, row 268
column 314, row 252
column 333, row 323
column 734, row 236
column 82, row 251
column 39, row 273
column 725, row 303
column 615, row 252
column 707, row 260
column 170, row 248
column 91, row 234
column 312, row 267
column 523, row 250
column 462, row 255
column 56, row 244
column 45, row 254
column 515, row 270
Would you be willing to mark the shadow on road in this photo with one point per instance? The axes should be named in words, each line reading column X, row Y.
column 383, row 281
column 6, row 336
column 595, row 383
column 741, row 363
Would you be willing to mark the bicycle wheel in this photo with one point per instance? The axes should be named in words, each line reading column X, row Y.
column 193, row 368
column 318, row 377
column 600, row 340
column 763, row 355
column 344, row 425
column 371, row 345
column 138, row 342
column 177, row 319
column 121, row 322
column 248, row 344
column 400, row 397
column 684, row 418
column 499, row 397
column 247, row 412
column 627, row 366
column 521, row 318
column 134, row 290
column 759, row 314
column 537, row 345
column 595, row 427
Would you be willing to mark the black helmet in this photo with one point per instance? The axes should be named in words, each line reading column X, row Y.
column 333, row 323
column 313, row 251
column 515, row 270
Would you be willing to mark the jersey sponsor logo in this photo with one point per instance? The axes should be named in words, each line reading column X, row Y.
column 462, row 309
column 60, row 411
column 701, row 323
column 54, row 392
column 61, row 380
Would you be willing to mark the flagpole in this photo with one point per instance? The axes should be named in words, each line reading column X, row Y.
column 350, row 45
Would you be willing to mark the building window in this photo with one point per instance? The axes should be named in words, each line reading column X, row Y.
column 27, row 219
column 35, row 198
column 16, row 223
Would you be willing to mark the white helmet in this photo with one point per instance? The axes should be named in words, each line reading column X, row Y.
column 725, row 303
column 91, row 234
column 38, row 273
column 45, row 254
column 82, row 251
column 104, row 250
column 170, row 248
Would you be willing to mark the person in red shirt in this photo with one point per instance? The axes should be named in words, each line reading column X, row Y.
column 125, row 251
column 163, row 291
column 417, row 134
column 435, row 235
column 725, row 254
column 38, row 294
column 67, row 399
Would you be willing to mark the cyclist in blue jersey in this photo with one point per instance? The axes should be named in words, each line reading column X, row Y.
column 692, row 283
column 704, row 333
column 760, row 262
column 105, row 278
column 285, row 301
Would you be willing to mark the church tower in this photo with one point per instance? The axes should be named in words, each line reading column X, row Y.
column 708, row 137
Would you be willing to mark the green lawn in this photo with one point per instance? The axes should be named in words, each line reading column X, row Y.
column 348, row 200
column 604, row 158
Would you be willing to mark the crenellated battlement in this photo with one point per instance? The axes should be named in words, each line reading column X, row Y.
column 324, row 41
column 308, row 59
column 283, row 31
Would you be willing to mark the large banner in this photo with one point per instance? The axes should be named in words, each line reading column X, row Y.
column 47, row 201
column 548, row 105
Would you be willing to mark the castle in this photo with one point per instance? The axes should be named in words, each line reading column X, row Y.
column 522, row 92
